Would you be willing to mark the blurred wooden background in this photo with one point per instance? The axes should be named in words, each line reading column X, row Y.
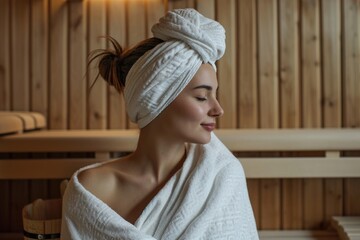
column 288, row 64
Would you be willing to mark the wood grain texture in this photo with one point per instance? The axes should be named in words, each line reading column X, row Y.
column 351, row 91
column 58, row 65
column 226, row 73
column 19, row 198
column 39, row 56
column 77, row 65
column 97, row 97
column 331, row 63
column 5, row 93
column 291, row 196
column 268, row 104
column 5, row 206
column 174, row 4
column 268, row 64
column 247, row 65
column 206, row 8
column 332, row 90
column 289, row 64
column 292, row 204
column 351, row 63
column 20, row 50
column 116, row 16
column 311, row 102
column 310, row 60
column 313, row 203
column 154, row 11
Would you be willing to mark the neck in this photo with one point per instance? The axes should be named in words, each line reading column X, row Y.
column 158, row 155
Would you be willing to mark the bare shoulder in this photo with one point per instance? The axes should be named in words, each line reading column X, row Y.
column 100, row 181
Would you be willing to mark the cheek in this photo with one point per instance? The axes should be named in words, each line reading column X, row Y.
column 189, row 111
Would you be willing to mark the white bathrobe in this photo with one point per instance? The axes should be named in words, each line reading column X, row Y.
column 206, row 199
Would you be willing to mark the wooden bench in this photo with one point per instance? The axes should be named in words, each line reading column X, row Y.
column 64, row 151
column 347, row 227
column 101, row 144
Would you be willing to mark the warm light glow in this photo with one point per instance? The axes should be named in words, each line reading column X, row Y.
column 141, row 1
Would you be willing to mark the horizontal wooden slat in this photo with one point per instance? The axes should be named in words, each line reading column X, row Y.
column 41, row 168
column 301, row 167
column 297, row 235
column 71, row 141
column 253, row 167
column 29, row 120
column 347, row 227
column 10, row 124
column 234, row 139
column 290, row 139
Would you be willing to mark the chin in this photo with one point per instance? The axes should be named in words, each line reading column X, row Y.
column 201, row 139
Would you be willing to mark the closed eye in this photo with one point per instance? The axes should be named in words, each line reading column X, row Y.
column 201, row 99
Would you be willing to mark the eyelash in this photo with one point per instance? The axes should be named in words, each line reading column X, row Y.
column 201, row 99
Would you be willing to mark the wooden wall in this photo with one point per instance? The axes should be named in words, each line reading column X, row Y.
column 288, row 64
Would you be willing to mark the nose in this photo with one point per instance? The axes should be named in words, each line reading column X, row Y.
column 216, row 110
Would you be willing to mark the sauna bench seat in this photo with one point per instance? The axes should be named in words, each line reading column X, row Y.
column 49, row 154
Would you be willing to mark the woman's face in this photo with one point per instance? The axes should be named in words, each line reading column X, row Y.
column 192, row 116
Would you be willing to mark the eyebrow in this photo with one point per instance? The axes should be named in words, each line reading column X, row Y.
column 207, row 87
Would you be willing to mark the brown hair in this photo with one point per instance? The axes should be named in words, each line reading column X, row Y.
column 115, row 64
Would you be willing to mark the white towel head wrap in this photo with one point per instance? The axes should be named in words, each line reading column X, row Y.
column 158, row 77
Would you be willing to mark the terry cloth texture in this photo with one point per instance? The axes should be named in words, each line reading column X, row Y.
column 206, row 199
column 158, row 77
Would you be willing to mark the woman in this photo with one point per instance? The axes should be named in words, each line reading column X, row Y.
column 181, row 182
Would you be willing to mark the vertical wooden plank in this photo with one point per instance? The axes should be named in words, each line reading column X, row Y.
column 351, row 63
column 334, row 199
column 292, row 204
column 20, row 54
column 97, row 96
column 247, row 64
column 226, row 73
column 58, row 64
column 175, row 4
column 38, row 189
column 4, row 206
column 136, row 28
column 253, row 186
column 136, row 22
column 39, row 56
column 331, row 55
column 19, row 198
column 117, row 30
column 77, row 65
column 351, row 198
column 268, row 104
column 270, row 218
column 313, row 203
column 289, row 105
column 54, row 188
column 351, row 91
column 289, row 64
column 5, row 97
column 154, row 11
column 206, row 8
column 247, row 83
column 268, row 64
column 311, row 103
column 311, row 84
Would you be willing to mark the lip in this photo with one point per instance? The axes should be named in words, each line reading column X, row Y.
column 208, row 126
